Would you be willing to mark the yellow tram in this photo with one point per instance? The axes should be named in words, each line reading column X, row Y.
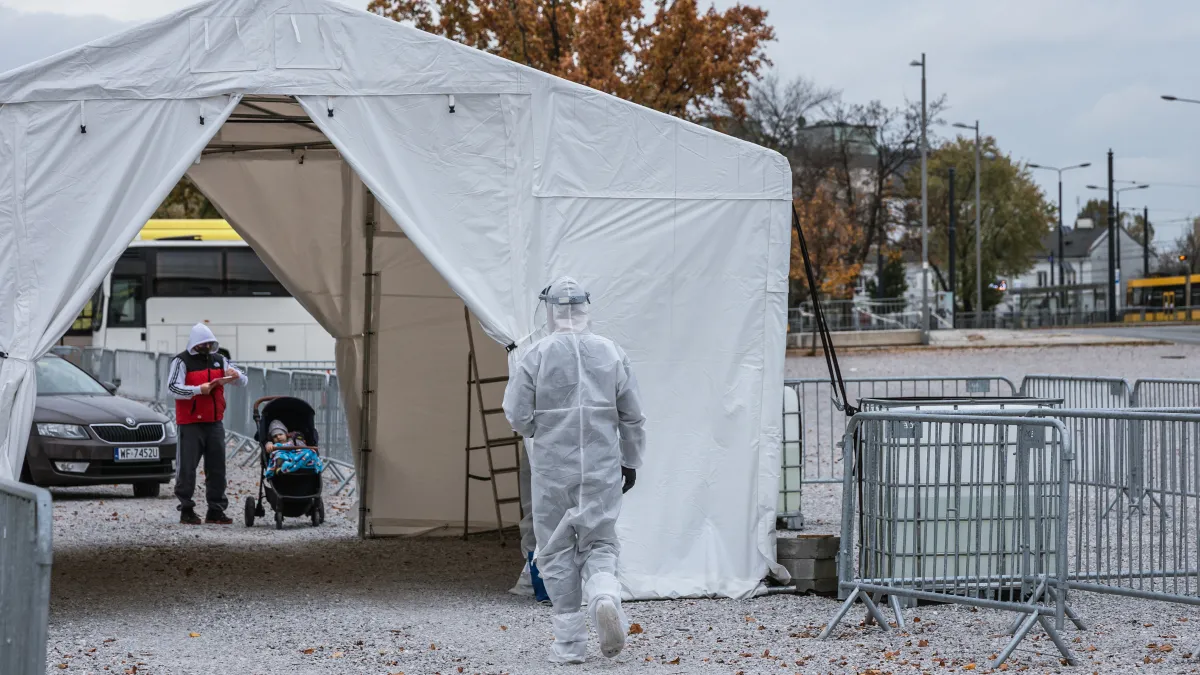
column 1162, row 299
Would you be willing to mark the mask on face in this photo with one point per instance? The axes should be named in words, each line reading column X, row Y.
column 205, row 348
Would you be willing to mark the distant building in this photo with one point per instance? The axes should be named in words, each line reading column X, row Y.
column 1085, row 265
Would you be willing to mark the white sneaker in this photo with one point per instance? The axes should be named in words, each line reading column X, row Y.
column 608, row 625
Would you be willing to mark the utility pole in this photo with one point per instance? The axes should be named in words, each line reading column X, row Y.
column 1145, row 242
column 924, row 209
column 953, row 248
column 1111, row 295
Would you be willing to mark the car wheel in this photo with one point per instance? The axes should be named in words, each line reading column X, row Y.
column 26, row 475
column 279, row 520
column 250, row 511
column 146, row 490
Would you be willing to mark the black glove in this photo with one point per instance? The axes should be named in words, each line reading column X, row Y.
column 630, row 476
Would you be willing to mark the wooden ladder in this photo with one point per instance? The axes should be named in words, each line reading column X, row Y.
column 475, row 397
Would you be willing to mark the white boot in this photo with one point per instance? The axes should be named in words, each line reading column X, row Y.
column 610, row 625
column 570, row 638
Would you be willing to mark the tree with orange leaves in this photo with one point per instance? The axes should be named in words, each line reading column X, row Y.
column 831, row 237
column 682, row 61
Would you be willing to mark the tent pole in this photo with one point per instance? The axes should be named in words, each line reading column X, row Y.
column 366, row 410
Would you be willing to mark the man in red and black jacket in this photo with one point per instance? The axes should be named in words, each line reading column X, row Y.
column 197, row 380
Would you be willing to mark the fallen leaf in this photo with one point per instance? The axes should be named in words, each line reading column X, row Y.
column 635, row 629
column 916, row 619
column 1003, row 666
column 503, row 627
column 1166, row 648
column 460, row 669
column 337, row 655
column 193, row 635
column 62, row 666
column 923, row 643
column 749, row 619
column 766, row 653
column 674, row 661
column 1147, row 625
column 433, row 648
column 969, row 666
column 307, row 651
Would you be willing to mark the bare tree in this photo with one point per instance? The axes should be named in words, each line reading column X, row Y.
column 777, row 111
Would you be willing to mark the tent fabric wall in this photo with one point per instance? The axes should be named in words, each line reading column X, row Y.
column 77, row 182
column 680, row 233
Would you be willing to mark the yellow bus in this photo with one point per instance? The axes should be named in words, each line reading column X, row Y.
column 1162, row 299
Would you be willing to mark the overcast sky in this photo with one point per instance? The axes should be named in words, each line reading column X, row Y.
column 1056, row 83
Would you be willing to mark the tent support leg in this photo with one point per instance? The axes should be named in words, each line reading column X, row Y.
column 367, row 408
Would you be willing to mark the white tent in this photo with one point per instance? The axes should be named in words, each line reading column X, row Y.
column 304, row 121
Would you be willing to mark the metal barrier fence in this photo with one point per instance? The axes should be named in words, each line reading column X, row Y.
column 1080, row 392
column 814, row 425
column 1135, row 503
column 1155, row 393
column 25, row 557
column 1125, row 522
column 967, row 509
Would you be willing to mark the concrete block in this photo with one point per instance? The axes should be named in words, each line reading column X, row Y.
column 809, row 569
column 811, row 546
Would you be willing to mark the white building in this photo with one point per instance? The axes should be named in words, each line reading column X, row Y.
column 1085, row 265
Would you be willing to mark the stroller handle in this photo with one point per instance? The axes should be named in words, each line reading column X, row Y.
column 258, row 404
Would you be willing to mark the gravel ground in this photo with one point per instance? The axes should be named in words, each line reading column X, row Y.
column 134, row 592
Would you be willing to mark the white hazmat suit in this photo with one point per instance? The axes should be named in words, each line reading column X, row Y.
column 575, row 400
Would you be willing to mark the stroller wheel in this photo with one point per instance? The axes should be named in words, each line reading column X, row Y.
column 279, row 520
column 321, row 509
column 249, row 511
column 314, row 512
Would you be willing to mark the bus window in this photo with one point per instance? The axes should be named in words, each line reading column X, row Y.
column 188, row 272
column 246, row 275
column 127, row 304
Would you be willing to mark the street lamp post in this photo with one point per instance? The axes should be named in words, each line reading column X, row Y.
column 1062, row 279
column 1114, row 232
column 978, row 238
column 924, row 209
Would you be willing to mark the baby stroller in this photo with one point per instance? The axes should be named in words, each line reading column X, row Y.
column 292, row 494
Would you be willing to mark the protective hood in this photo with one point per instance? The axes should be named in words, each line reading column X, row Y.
column 276, row 426
column 563, row 316
column 201, row 334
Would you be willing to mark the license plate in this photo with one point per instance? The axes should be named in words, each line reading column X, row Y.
column 136, row 454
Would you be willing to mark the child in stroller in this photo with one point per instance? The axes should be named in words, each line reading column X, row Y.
column 290, row 462
column 287, row 452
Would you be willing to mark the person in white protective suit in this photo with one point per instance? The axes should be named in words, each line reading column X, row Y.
column 574, row 398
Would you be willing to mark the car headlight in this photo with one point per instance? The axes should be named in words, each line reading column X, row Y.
column 72, row 431
column 172, row 430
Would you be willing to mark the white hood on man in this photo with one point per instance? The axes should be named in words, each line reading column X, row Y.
column 199, row 335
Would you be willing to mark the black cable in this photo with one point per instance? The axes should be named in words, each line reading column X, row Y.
column 831, row 360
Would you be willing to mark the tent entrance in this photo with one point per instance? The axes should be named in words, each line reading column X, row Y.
column 401, row 343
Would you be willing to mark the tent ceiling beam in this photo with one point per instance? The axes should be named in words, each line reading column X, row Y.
column 220, row 149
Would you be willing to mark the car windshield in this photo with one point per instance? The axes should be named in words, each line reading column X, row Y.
column 57, row 376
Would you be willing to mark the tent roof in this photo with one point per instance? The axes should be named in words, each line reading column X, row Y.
column 314, row 47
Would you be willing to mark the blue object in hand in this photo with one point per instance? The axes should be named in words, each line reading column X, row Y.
column 539, row 588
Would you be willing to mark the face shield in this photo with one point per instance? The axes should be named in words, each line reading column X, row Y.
column 566, row 306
